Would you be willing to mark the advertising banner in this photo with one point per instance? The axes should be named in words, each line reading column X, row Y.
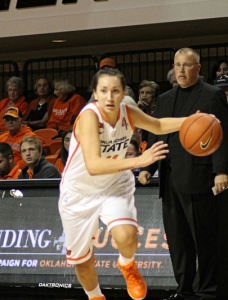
column 32, row 240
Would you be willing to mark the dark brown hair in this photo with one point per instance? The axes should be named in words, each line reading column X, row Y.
column 63, row 154
column 107, row 72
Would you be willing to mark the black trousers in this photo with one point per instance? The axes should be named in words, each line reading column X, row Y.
column 222, row 292
column 190, row 222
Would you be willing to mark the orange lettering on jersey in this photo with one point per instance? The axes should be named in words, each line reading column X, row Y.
column 114, row 157
column 124, row 123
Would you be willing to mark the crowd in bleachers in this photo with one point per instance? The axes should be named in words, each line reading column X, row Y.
column 50, row 117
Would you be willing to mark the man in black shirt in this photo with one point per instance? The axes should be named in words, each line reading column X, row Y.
column 189, row 206
column 37, row 165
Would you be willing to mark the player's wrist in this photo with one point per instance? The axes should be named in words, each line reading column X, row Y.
column 138, row 163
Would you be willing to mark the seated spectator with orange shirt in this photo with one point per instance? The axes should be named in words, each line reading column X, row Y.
column 137, row 135
column 63, row 154
column 16, row 132
column 40, row 109
column 14, row 87
column 67, row 104
column 8, row 168
column 36, row 165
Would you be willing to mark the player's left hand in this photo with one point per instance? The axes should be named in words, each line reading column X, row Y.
column 198, row 111
column 221, row 182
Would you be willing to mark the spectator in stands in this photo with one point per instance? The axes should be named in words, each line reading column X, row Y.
column 171, row 77
column 220, row 68
column 107, row 62
column 40, row 109
column 222, row 83
column 137, row 135
column 16, row 132
column 133, row 151
column 148, row 93
column 67, row 104
column 14, row 87
column 8, row 168
column 37, row 165
column 74, row 117
column 63, row 154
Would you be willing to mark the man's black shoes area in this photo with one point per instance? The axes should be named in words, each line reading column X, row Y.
column 175, row 297
column 178, row 297
column 196, row 298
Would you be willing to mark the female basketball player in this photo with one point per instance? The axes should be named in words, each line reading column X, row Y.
column 97, row 181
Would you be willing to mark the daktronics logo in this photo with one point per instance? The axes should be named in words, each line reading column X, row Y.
column 56, row 285
column 21, row 238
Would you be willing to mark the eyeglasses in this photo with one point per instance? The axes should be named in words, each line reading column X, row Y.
column 186, row 66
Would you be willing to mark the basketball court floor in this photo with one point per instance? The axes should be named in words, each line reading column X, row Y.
column 19, row 293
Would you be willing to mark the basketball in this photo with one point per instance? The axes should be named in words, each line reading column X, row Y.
column 201, row 134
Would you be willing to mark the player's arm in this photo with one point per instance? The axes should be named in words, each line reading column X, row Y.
column 156, row 126
column 87, row 133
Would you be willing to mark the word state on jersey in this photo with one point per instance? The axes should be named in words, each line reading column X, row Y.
column 120, row 137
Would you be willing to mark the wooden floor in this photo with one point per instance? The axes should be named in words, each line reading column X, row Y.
column 14, row 293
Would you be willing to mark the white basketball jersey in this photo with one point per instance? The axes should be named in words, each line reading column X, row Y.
column 114, row 143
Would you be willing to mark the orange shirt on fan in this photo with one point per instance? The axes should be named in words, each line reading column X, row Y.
column 13, row 173
column 59, row 165
column 4, row 105
column 14, row 142
column 63, row 111
column 142, row 146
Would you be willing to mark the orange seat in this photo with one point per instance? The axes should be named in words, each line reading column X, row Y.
column 55, row 145
column 51, row 158
column 42, row 141
column 46, row 134
column 45, row 147
column 58, row 139
column 57, row 151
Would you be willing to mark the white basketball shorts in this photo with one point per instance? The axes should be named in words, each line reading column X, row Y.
column 80, row 214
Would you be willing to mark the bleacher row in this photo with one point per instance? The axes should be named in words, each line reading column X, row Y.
column 151, row 64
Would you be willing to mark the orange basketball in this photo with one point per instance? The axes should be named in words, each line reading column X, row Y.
column 201, row 134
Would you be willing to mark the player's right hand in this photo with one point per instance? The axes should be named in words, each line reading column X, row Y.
column 153, row 154
column 144, row 177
